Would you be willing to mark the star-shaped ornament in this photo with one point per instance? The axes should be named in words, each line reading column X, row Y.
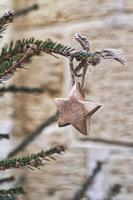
column 74, row 110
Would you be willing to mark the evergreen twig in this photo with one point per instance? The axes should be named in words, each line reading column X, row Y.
column 17, row 54
column 48, row 46
column 16, row 51
column 33, row 160
column 11, row 64
column 33, row 135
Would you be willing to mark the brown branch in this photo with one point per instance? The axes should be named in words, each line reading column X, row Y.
column 88, row 183
column 108, row 142
column 21, row 89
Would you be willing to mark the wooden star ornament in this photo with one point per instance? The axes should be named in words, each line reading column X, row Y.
column 74, row 110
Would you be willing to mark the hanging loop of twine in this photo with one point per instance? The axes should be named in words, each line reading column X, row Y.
column 80, row 70
column 93, row 59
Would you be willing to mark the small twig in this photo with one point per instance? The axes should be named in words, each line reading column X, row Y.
column 26, row 10
column 4, row 136
column 88, row 183
column 108, row 142
column 30, row 50
column 33, row 160
column 21, row 89
column 113, row 191
column 33, row 135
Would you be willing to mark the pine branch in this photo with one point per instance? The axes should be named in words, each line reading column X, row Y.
column 9, row 66
column 19, row 47
column 88, row 183
column 22, row 89
column 33, row 160
column 5, row 20
column 48, row 46
column 15, row 55
column 33, row 135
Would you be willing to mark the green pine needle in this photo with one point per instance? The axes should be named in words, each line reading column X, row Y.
column 33, row 160
column 48, row 46
column 11, row 193
column 14, row 191
column 16, row 51
column 5, row 20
